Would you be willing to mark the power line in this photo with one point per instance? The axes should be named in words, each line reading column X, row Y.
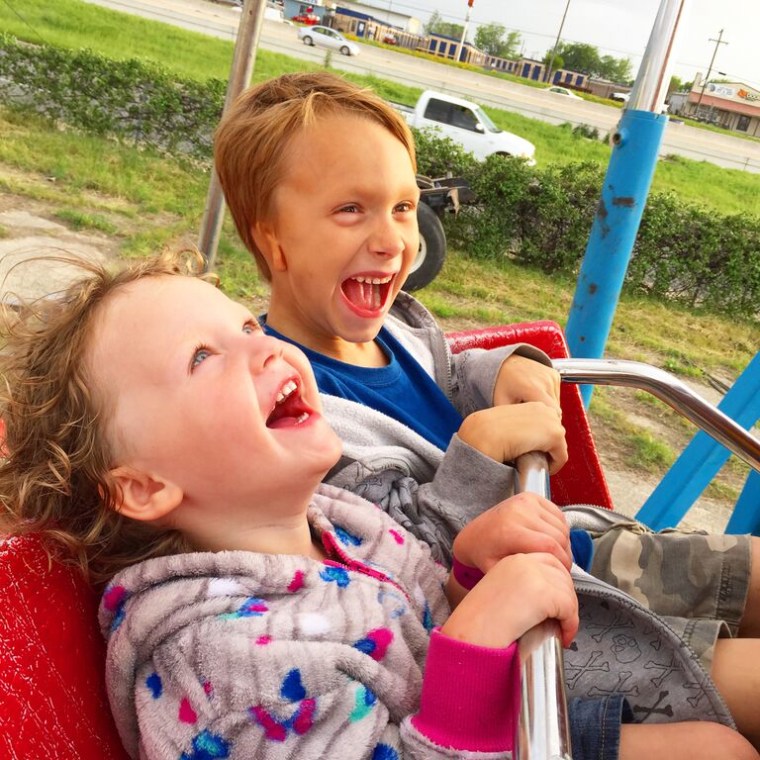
column 24, row 21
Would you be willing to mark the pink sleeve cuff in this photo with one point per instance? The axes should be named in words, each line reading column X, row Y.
column 470, row 695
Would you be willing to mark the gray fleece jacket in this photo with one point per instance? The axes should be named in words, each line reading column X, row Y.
column 242, row 655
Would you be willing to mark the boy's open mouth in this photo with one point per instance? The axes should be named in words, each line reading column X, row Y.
column 367, row 293
column 289, row 408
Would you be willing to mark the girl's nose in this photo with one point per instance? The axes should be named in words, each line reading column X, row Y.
column 263, row 350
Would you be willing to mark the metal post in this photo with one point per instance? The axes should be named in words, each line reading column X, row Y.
column 547, row 78
column 464, row 30
column 543, row 731
column 243, row 57
column 636, row 144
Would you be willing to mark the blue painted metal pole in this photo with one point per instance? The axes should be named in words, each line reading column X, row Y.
column 636, row 144
column 746, row 515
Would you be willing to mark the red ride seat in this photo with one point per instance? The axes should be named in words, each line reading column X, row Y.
column 581, row 480
column 53, row 703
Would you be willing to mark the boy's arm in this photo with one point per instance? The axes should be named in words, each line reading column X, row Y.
column 504, row 375
column 465, row 484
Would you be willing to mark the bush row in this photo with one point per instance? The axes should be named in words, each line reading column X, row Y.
column 126, row 99
column 543, row 218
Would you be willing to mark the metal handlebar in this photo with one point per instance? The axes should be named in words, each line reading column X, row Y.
column 669, row 389
column 543, row 731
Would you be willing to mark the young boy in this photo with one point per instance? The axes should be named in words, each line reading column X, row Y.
column 153, row 429
column 320, row 179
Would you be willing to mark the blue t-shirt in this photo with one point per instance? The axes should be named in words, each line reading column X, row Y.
column 402, row 389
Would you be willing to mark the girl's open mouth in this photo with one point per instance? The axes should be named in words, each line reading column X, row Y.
column 289, row 408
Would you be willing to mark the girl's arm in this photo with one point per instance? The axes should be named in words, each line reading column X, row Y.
column 470, row 694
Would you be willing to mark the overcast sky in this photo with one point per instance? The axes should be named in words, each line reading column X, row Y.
column 620, row 28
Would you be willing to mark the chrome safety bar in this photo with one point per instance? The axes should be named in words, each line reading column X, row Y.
column 543, row 732
column 670, row 390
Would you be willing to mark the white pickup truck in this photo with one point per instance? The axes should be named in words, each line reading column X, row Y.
column 466, row 124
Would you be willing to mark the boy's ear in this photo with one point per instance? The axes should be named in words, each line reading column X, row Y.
column 265, row 237
column 141, row 496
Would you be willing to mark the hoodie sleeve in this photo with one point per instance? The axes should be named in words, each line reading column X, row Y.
column 476, row 370
column 465, row 484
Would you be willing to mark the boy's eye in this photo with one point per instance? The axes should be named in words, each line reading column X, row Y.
column 251, row 327
column 405, row 206
column 199, row 355
column 349, row 208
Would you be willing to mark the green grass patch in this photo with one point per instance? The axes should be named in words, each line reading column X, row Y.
column 648, row 453
column 81, row 220
column 75, row 24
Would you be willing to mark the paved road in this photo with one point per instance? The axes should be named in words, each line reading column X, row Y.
column 221, row 21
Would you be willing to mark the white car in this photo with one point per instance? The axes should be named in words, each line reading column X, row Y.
column 621, row 97
column 329, row 38
column 563, row 91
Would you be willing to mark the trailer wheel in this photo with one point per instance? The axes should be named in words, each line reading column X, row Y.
column 432, row 253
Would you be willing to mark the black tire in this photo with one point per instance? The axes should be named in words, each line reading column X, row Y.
column 432, row 253
column 308, row 41
column 345, row 51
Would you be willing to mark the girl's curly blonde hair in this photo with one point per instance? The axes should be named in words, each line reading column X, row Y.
column 54, row 472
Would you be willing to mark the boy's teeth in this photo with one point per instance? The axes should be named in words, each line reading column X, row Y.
column 286, row 391
column 302, row 418
column 374, row 280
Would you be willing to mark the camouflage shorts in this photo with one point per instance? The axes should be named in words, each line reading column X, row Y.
column 697, row 581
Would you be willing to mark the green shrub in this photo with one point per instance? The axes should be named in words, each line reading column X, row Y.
column 126, row 99
column 543, row 218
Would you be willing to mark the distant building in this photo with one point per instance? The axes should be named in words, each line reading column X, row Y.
column 732, row 105
column 359, row 20
column 296, row 9
column 386, row 16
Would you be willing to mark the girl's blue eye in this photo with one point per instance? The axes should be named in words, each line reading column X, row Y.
column 250, row 327
column 200, row 355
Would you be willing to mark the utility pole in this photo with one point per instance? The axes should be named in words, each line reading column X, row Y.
column 720, row 41
column 547, row 77
column 464, row 31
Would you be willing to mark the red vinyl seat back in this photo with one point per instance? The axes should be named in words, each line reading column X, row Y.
column 53, row 703
column 581, row 480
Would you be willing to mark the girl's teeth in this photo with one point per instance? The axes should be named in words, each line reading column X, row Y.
column 285, row 391
column 302, row 418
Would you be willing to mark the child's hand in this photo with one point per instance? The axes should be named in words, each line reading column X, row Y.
column 505, row 432
column 523, row 524
column 521, row 379
column 517, row 594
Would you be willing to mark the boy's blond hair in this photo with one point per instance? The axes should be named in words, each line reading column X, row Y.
column 54, row 474
column 251, row 142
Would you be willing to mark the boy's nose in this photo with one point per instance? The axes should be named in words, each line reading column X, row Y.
column 387, row 238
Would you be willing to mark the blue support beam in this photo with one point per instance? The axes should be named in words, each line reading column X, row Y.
column 746, row 515
column 636, row 144
column 702, row 458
